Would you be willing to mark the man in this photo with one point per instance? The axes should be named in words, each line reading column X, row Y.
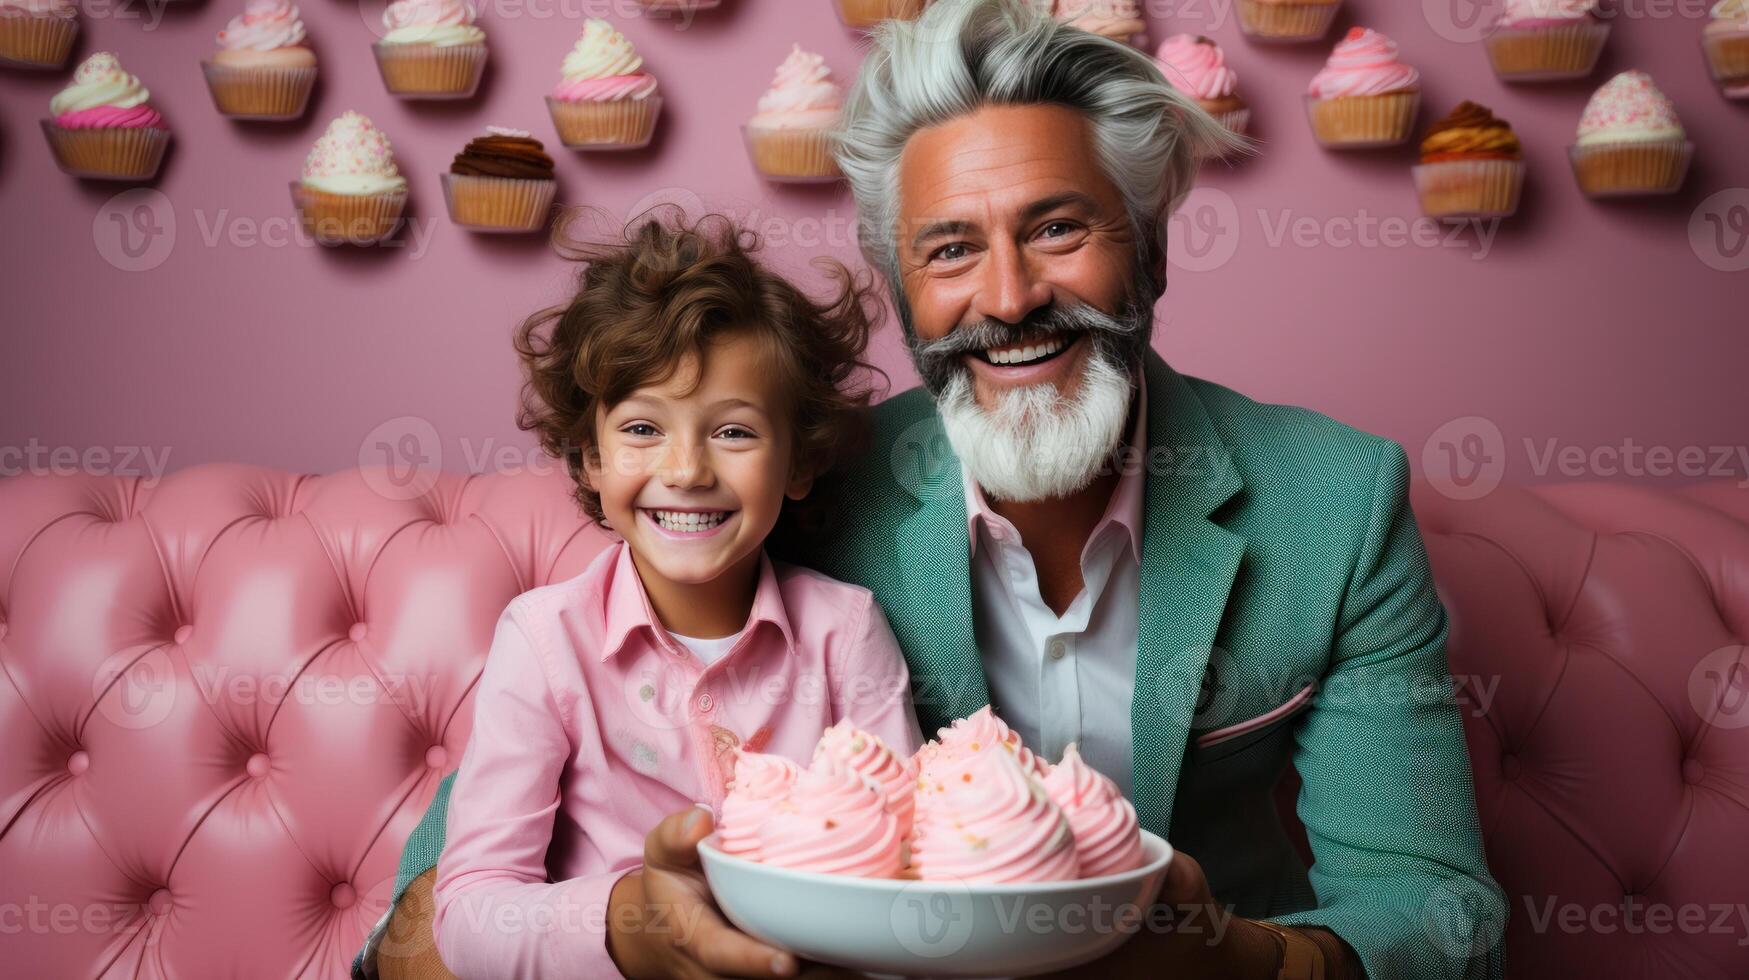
column 1197, row 588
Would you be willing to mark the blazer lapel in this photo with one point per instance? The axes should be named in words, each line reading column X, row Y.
column 1188, row 565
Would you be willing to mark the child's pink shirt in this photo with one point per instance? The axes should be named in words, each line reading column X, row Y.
column 591, row 724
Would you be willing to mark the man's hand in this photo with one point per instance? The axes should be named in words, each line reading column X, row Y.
column 662, row 921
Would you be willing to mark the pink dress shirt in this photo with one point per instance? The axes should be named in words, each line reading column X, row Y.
column 592, row 723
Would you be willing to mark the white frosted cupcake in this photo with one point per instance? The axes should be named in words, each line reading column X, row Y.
column 351, row 191
column 1630, row 141
column 790, row 137
column 433, row 49
column 605, row 99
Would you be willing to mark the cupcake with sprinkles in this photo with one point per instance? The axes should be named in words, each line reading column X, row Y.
column 351, row 192
column 103, row 126
column 606, row 99
column 1725, row 39
column 1629, row 140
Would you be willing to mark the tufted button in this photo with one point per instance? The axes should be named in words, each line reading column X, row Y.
column 436, row 757
column 159, row 903
column 257, row 765
column 78, row 762
column 1692, row 771
column 706, row 702
column 1509, row 767
column 356, row 633
column 343, row 895
column 182, row 634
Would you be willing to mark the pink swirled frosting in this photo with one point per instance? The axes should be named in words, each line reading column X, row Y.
column 1363, row 63
column 1108, row 837
column 863, row 752
column 603, row 67
column 761, row 782
column 833, row 821
column 803, row 94
column 264, row 25
column 993, row 822
column 1195, row 66
column 976, row 733
column 104, row 94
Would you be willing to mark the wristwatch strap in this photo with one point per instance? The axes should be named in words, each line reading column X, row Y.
column 1301, row 959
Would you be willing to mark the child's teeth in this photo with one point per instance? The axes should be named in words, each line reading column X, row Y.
column 689, row 520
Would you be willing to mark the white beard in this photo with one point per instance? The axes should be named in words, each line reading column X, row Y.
column 1038, row 444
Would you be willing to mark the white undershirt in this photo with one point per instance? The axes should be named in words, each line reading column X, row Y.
column 708, row 651
column 1057, row 680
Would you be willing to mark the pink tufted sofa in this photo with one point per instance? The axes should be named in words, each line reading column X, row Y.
column 228, row 697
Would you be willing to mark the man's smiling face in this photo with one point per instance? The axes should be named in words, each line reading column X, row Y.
column 1004, row 214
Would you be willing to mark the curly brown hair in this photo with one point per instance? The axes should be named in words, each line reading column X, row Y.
column 668, row 288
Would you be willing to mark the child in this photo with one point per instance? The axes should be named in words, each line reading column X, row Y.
column 691, row 391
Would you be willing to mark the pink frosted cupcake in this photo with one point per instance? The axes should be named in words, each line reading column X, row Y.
column 605, row 100
column 1120, row 20
column 1726, row 43
column 979, row 732
column 432, row 50
column 834, row 821
column 1286, row 21
column 761, row 782
column 103, row 126
column 1364, row 96
column 864, row 15
column 1630, row 141
column 1108, row 838
column 1196, row 66
column 351, row 192
column 263, row 69
column 37, row 33
column 992, row 822
column 790, row 139
column 1545, row 40
column 848, row 745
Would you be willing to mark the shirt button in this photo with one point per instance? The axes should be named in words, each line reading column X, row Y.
column 1057, row 649
column 705, row 702
column 997, row 534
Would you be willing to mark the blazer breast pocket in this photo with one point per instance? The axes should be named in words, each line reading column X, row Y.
column 1228, row 740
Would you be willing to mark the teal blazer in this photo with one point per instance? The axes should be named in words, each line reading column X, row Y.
column 1278, row 552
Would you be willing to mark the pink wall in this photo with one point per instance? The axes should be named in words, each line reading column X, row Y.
column 1584, row 323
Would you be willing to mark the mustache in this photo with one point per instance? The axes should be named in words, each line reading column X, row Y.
column 1075, row 319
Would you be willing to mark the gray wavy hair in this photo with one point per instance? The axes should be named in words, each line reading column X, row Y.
column 961, row 55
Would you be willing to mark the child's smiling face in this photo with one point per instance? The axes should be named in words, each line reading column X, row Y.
column 693, row 470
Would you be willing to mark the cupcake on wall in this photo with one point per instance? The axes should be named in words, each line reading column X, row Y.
column 1472, row 166
column 1726, row 43
column 790, row 137
column 1364, row 96
column 1120, row 20
column 1286, row 21
column 1195, row 65
column 866, row 14
column 502, row 181
column 263, row 69
column 1630, row 141
column 605, row 100
column 103, row 125
column 350, row 192
column 433, row 49
column 1546, row 40
column 37, row 33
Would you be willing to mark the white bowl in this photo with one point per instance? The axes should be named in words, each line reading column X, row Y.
column 936, row 928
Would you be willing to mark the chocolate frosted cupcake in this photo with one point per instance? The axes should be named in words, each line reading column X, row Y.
column 502, row 181
column 1472, row 165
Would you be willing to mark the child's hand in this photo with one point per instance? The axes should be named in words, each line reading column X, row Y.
column 662, row 921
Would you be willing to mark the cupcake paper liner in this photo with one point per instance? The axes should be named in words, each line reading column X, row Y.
column 1727, row 57
column 108, row 153
column 348, row 219
column 430, row 71
column 1286, row 22
column 1469, row 188
column 863, row 15
column 617, row 124
column 498, row 204
column 259, row 93
column 1541, row 54
column 41, row 41
column 1356, row 122
column 1623, row 169
column 792, row 156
